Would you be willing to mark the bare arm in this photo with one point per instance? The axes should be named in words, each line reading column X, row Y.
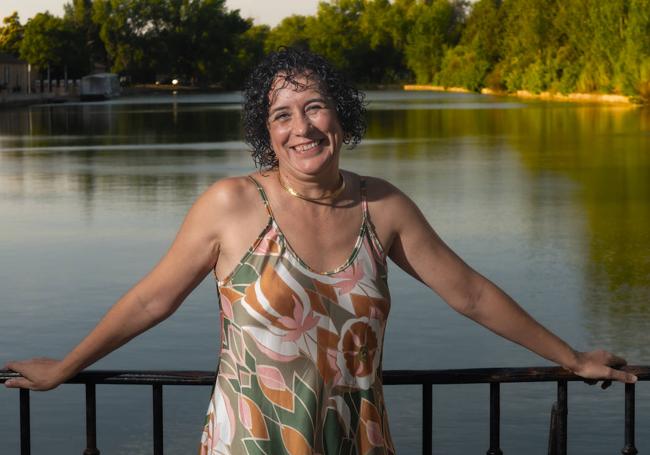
column 154, row 298
column 418, row 250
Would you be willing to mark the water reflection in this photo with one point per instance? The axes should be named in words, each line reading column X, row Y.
column 605, row 151
column 147, row 146
column 111, row 123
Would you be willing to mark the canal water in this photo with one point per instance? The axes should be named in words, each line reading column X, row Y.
column 550, row 201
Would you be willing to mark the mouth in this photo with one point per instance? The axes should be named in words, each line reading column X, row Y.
column 302, row 148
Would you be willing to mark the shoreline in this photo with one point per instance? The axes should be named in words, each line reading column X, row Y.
column 138, row 90
column 586, row 98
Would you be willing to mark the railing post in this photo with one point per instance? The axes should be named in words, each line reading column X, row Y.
column 427, row 419
column 629, row 448
column 562, row 414
column 157, row 419
column 495, row 419
column 552, row 432
column 25, row 431
column 91, row 421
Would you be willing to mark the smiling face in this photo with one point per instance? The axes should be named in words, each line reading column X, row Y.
column 305, row 133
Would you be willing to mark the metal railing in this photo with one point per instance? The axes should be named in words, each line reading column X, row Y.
column 426, row 378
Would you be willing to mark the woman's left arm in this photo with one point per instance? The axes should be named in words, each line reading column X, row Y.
column 418, row 250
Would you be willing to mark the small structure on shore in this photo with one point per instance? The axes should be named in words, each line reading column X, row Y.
column 15, row 74
column 100, row 86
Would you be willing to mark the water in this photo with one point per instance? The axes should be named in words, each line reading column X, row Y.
column 550, row 201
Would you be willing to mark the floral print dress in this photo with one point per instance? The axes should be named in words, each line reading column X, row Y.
column 300, row 367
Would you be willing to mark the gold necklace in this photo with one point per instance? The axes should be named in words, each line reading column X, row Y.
column 331, row 195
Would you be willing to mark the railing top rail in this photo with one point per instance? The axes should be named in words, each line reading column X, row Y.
column 451, row 376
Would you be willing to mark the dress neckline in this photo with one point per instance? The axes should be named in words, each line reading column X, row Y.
column 355, row 250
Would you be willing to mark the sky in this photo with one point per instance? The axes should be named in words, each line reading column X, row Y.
column 262, row 11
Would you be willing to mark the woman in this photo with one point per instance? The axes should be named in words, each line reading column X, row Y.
column 299, row 251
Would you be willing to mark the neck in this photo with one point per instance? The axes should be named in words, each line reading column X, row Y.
column 310, row 187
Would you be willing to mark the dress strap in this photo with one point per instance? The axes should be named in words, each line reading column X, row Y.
column 265, row 199
column 376, row 244
column 364, row 199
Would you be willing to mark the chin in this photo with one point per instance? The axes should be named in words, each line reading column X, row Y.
column 314, row 165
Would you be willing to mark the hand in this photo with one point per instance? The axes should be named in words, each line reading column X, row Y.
column 602, row 365
column 36, row 374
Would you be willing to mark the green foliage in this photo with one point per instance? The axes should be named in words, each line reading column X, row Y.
column 536, row 45
column 379, row 28
column 290, row 32
column 356, row 35
column 336, row 35
column 193, row 39
column 634, row 60
column 250, row 50
column 50, row 42
column 79, row 15
column 463, row 67
column 436, row 27
column 11, row 34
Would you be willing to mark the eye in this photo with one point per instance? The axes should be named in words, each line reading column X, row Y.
column 315, row 107
column 280, row 116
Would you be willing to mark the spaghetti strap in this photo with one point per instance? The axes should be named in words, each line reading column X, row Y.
column 376, row 244
column 265, row 199
column 364, row 201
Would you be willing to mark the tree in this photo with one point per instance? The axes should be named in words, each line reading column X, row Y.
column 250, row 50
column 123, row 28
column 290, row 32
column 635, row 58
column 195, row 39
column 11, row 34
column 213, row 36
column 79, row 16
column 49, row 43
column 336, row 35
column 385, row 62
column 530, row 41
column 437, row 26
column 470, row 62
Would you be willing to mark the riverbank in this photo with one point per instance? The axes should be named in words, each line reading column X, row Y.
column 22, row 99
column 545, row 96
column 19, row 100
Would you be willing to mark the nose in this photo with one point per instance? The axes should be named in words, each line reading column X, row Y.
column 301, row 124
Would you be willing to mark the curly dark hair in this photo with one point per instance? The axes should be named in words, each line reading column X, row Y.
column 291, row 63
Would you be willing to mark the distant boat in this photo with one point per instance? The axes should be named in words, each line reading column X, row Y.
column 100, row 86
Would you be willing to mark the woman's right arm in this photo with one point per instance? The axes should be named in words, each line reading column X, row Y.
column 190, row 258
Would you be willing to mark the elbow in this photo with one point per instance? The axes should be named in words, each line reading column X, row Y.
column 155, row 311
column 159, row 311
column 470, row 305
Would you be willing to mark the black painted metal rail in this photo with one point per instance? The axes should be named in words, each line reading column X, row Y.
column 426, row 378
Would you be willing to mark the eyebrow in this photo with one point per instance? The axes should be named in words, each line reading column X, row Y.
column 310, row 100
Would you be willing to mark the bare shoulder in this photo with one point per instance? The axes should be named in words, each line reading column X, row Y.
column 390, row 209
column 229, row 201
column 230, row 193
column 385, row 199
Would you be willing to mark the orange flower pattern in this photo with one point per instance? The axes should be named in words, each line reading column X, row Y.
column 300, row 365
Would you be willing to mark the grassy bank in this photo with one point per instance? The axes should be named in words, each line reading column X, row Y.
column 546, row 96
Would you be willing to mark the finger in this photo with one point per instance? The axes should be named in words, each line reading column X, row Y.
column 18, row 383
column 621, row 376
column 16, row 367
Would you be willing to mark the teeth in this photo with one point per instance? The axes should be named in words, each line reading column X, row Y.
column 305, row 147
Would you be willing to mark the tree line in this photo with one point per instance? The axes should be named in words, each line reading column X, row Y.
column 507, row 45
